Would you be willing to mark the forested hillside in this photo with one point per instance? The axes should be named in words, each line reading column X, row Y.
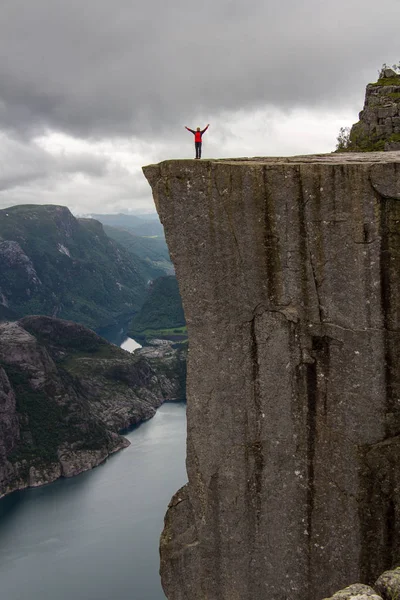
column 54, row 264
column 152, row 250
column 66, row 393
column 162, row 313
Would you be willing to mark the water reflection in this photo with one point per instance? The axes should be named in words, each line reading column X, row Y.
column 130, row 345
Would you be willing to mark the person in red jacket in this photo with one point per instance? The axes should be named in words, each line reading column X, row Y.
column 198, row 138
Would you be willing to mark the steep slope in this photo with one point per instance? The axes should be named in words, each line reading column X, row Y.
column 54, row 264
column 65, row 393
column 379, row 124
column 152, row 251
column 161, row 314
column 289, row 275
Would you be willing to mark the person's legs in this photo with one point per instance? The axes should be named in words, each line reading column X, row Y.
column 198, row 151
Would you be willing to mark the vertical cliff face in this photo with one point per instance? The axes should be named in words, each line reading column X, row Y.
column 9, row 427
column 289, row 274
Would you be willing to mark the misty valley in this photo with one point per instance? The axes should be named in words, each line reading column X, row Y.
column 72, row 398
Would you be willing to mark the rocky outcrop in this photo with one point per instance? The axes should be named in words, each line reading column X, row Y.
column 9, row 426
column 388, row 584
column 289, row 274
column 379, row 124
column 387, row 587
column 356, row 592
column 15, row 258
column 65, row 393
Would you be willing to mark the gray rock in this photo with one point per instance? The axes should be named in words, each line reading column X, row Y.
column 388, row 584
column 387, row 111
column 388, row 126
column 385, row 180
column 356, row 592
column 12, row 255
column 9, row 426
column 40, row 475
column 378, row 119
column 391, row 146
column 289, row 274
column 388, row 72
column 73, row 462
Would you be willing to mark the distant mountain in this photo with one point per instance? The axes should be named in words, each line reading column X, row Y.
column 65, row 393
column 138, row 225
column 148, row 216
column 54, row 264
column 143, row 236
column 153, row 250
column 161, row 315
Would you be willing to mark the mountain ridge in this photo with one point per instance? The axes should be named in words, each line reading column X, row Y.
column 54, row 264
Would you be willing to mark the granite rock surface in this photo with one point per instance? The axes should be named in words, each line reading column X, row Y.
column 289, row 271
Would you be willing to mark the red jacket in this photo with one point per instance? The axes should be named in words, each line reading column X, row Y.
column 197, row 134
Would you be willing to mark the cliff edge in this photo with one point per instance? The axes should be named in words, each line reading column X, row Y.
column 289, row 273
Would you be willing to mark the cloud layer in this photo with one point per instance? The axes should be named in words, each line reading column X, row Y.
column 126, row 76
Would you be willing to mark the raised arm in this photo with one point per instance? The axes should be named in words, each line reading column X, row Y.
column 191, row 130
column 205, row 129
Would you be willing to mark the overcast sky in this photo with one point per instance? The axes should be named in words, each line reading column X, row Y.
column 91, row 90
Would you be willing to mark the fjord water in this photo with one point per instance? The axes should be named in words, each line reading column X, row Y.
column 95, row 536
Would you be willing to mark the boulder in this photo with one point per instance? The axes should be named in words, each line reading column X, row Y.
column 388, row 584
column 389, row 73
column 357, row 591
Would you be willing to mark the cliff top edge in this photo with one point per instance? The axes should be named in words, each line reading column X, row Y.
column 336, row 158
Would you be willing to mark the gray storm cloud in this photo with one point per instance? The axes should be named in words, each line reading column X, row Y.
column 116, row 81
column 100, row 68
column 23, row 163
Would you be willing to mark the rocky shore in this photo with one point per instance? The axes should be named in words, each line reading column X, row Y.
column 66, row 393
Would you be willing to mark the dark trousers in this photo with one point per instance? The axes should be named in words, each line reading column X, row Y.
column 198, row 149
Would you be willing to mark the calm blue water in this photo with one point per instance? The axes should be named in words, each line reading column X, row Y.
column 95, row 536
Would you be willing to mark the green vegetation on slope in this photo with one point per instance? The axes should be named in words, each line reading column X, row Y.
column 363, row 143
column 162, row 313
column 75, row 340
column 378, row 127
column 385, row 81
column 73, row 392
column 46, row 425
column 57, row 413
column 54, row 264
column 152, row 250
